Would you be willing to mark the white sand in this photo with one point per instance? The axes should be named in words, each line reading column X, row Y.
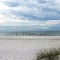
column 29, row 37
column 25, row 47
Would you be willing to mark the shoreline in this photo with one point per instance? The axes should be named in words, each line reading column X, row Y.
column 30, row 37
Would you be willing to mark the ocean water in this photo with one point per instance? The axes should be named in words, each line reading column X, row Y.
column 36, row 33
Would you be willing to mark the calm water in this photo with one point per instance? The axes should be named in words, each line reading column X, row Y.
column 37, row 33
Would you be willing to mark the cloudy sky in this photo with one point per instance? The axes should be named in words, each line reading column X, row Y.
column 30, row 14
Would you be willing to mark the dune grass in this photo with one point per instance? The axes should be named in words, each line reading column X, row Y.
column 49, row 54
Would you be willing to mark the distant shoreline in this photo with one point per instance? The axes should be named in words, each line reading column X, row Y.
column 29, row 37
column 31, row 33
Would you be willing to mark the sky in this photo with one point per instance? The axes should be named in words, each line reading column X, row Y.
column 30, row 14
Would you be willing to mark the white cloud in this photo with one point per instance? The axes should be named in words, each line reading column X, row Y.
column 31, row 8
column 1, row 15
column 7, row 0
column 3, row 6
column 19, row 8
column 52, row 22
column 7, row 21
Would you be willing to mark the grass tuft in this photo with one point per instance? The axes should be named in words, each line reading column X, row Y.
column 49, row 54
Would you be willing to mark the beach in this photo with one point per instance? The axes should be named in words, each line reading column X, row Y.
column 25, row 47
column 29, row 37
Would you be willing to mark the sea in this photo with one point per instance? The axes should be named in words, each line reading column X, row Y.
column 31, row 33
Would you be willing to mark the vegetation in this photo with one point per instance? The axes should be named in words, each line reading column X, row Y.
column 49, row 54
